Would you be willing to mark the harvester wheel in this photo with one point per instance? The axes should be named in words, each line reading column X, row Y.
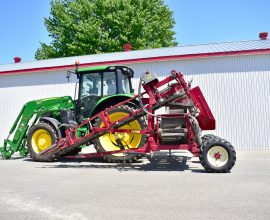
column 208, row 137
column 107, row 142
column 40, row 137
column 217, row 155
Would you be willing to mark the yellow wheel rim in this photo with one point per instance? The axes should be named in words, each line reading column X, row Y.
column 129, row 140
column 41, row 140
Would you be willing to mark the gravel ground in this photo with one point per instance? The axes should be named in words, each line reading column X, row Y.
column 165, row 188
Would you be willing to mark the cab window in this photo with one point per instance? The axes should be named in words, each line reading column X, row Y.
column 91, row 85
column 109, row 83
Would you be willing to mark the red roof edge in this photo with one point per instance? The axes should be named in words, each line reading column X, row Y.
column 142, row 60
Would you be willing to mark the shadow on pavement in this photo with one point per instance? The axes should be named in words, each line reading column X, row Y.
column 13, row 158
column 144, row 164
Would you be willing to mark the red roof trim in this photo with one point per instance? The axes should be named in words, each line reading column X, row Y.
column 142, row 60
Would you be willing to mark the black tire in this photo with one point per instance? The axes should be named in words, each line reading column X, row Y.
column 54, row 138
column 217, row 155
column 116, row 158
column 208, row 137
column 33, row 149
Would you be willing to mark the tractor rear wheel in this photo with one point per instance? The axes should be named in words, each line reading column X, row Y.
column 217, row 155
column 40, row 137
column 107, row 142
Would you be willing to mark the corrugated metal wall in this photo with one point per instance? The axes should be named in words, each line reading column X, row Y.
column 235, row 87
column 16, row 90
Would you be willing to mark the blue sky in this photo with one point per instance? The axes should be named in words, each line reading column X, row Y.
column 197, row 22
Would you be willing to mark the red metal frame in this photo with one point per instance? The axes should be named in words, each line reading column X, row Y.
column 178, row 86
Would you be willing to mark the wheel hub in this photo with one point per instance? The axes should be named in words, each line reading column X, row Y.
column 121, row 136
column 41, row 140
column 129, row 140
column 217, row 156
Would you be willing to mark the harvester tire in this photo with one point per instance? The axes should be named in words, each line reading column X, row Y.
column 107, row 142
column 40, row 137
column 217, row 155
column 208, row 137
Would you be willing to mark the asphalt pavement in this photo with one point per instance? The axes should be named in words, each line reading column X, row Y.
column 162, row 188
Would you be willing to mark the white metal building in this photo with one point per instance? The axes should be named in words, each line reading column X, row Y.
column 234, row 77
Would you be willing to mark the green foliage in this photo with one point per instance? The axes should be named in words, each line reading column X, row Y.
column 80, row 27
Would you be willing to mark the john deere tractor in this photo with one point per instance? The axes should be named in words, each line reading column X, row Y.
column 42, row 123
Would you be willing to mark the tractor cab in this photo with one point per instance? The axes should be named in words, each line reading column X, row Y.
column 102, row 82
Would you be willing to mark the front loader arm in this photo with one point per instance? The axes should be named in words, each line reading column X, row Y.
column 28, row 116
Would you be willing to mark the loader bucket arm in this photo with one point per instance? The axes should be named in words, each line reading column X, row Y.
column 28, row 116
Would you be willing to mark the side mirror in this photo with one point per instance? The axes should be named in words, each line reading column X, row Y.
column 68, row 74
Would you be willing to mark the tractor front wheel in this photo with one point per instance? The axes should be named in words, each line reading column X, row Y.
column 217, row 155
column 107, row 142
column 40, row 137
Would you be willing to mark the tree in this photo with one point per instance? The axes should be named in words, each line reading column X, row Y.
column 80, row 27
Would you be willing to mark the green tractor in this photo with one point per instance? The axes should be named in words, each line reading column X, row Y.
column 42, row 123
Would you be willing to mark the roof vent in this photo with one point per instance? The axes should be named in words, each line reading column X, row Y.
column 263, row 35
column 127, row 47
column 17, row 59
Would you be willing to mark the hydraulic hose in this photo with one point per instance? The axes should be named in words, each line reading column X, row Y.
column 140, row 100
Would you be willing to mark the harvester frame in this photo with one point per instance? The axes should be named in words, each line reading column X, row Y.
column 155, row 100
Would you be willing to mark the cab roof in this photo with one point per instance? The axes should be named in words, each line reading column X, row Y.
column 90, row 69
column 125, row 69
